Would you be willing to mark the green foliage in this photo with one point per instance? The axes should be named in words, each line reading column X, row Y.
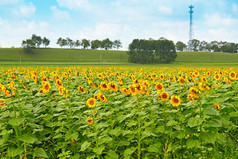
column 214, row 46
column 165, row 51
column 106, row 44
column 145, row 51
column 13, row 55
column 85, row 43
column 180, row 46
column 35, row 42
column 141, row 51
column 49, row 125
column 95, row 44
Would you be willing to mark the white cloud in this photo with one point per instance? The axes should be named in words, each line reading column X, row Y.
column 59, row 14
column 165, row 10
column 25, row 10
column 9, row 2
column 217, row 27
column 216, row 20
column 74, row 4
column 234, row 8
column 12, row 34
column 1, row 21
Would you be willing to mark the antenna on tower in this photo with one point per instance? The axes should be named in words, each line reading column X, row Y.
column 190, row 44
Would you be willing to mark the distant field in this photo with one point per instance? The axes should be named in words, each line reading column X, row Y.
column 74, row 56
column 62, row 55
column 207, row 57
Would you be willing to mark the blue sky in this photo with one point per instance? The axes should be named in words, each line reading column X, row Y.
column 116, row 19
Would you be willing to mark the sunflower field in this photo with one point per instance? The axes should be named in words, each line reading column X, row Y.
column 118, row 112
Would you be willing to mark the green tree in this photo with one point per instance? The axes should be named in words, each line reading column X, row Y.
column 70, row 42
column 77, row 43
column 214, row 46
column 37, row 40
column 195, row 44
column 59, row 42
column 45, row 42
column 203, row 46
column 117, row 44
column 28, row 43
column 64, row 42
column 141, row 51
column 165, row 51
column 180, row 46
column 95, row 44
column 106, row 44
column 85, row 43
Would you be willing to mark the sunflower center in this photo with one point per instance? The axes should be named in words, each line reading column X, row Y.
column 176, row 100
column 46, row 86
column 91, row 102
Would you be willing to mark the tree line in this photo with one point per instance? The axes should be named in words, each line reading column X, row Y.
column 35, row 42
column 213, row 46
column 152, row 51
column 107, row 44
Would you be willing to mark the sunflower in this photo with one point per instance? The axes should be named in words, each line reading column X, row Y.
column 34, row 78
column 61, row 90
column 81, row 89
column 217, row 106
column 135, row 81
column 91, row 84
column 138, row 87
column 104, row 86
column 102, row 97
column 90, row 120
column 44, row 78
column 59, row 83
column 208, row 73
column 195, row 74
column 194, row 91
column 46, row 87
column 120, row 80
column 113, row 86
column 146, row 83
column 159, row 86
column 164, row 96
column 40, row 91
column 54, row 73
column 181, row 80
column 216, row 76
column 91, row 102
column 7, row 93
column 162, row 77
column 175, row 101
column 232, row 75
column 146, row 92
column 125, row 91
column 203, row 86
column 190, row 97
column 133, row 90
column 204, row 79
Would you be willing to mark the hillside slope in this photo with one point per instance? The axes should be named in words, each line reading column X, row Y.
column 57, row 55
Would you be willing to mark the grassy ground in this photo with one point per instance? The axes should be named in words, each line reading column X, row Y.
column 78, row 56
column 63, row 56
column 207, row 57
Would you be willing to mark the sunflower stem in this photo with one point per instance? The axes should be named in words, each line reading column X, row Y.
column 139, row 129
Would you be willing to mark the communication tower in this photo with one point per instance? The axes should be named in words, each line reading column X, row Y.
column 190, row 45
